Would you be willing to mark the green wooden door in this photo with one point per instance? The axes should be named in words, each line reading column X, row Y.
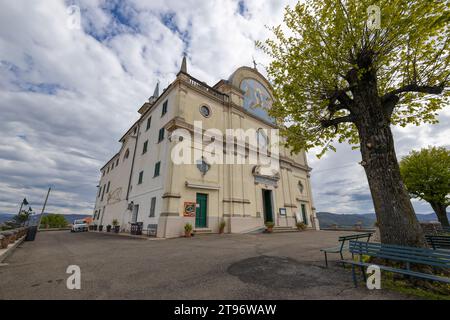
column 267, row 203
column 305, row 219
column 201, row 210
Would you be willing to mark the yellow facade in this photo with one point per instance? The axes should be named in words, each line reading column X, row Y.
column 233, row 193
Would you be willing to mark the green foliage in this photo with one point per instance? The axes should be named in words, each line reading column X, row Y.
column 322, row 42
column 269, row 224
column 426, row 174
column 53, row 220
column 115, row 222
column 188, row 227
column 222, row 225
column 22, row 217
column 301, row 225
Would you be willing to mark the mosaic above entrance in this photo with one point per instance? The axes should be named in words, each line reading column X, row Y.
column 257, row 99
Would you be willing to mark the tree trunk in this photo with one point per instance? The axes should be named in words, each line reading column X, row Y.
column 441, row 212
column 395, row 214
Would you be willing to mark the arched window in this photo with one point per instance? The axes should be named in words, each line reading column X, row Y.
column 300, row 187
column 127, row 154
column 262, row 139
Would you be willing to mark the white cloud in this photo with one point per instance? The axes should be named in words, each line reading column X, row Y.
column 67, row 96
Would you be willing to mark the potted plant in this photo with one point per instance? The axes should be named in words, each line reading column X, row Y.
column 301, row 226
column 188, row 230
column 108, row 228
column 94, row 227
column 269, row 227
column 115, row 223
column 222, row 226
column 100, row 227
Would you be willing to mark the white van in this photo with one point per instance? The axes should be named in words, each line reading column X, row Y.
column 79, row 225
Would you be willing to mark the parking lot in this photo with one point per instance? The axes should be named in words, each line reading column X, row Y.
column 250, row 266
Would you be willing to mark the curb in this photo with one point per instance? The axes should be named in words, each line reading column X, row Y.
column 10, row 249
column 123, row 234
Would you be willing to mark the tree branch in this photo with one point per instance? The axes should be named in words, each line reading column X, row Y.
column 345, row 102
column 336, row 121
column 390, row 99
column 389, row 102
column 416, row 88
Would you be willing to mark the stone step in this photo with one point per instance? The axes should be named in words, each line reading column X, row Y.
column 284, row 229
column 202, row 231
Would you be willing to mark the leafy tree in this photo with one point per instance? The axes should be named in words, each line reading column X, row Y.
column 337, row 77
column 426, row 174
column 22, row 217
column 53, row 220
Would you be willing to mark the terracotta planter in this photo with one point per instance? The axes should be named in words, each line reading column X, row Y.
column 187, row 234
column 269, row 230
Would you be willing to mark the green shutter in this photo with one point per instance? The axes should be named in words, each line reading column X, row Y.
column 161, row 135
column 157, row 167
column 152, row 207
column 144, row 150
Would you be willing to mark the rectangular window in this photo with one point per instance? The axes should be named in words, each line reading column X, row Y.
column 164, row 108
column 144, row 149
column 149, row 123
column 161, row 135
column 103, row 192
column 117, row 162
column 141, row 176
column 99, row 192
column 152, row 207
column 107, row 188
column 157, row 167
column 99, row 213
column 112, row 166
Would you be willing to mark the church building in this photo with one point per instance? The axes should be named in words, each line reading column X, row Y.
column 142, row 185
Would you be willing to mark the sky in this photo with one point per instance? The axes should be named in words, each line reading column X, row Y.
column 68, row 94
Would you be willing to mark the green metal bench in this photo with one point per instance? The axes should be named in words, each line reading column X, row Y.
column 409, row 255
column 446, row 229
column 438, row 241
column 344, row 244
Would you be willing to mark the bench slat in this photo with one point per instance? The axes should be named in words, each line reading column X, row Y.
column 433, row 254
column 402, row 271
column 397, row 253
column 442, row 254
column 335, row 249
column 355, row 236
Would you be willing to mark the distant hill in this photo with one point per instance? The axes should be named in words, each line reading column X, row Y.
column 5, row 217
column 327, row 219
column 69, row 217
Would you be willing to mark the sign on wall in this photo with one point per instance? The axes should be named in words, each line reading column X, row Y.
column 282, row 211
column 189, row 209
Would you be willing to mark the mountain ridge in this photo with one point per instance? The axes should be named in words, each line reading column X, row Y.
column 327, row 219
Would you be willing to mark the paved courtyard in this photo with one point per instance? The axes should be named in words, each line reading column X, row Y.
column 250, row 266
